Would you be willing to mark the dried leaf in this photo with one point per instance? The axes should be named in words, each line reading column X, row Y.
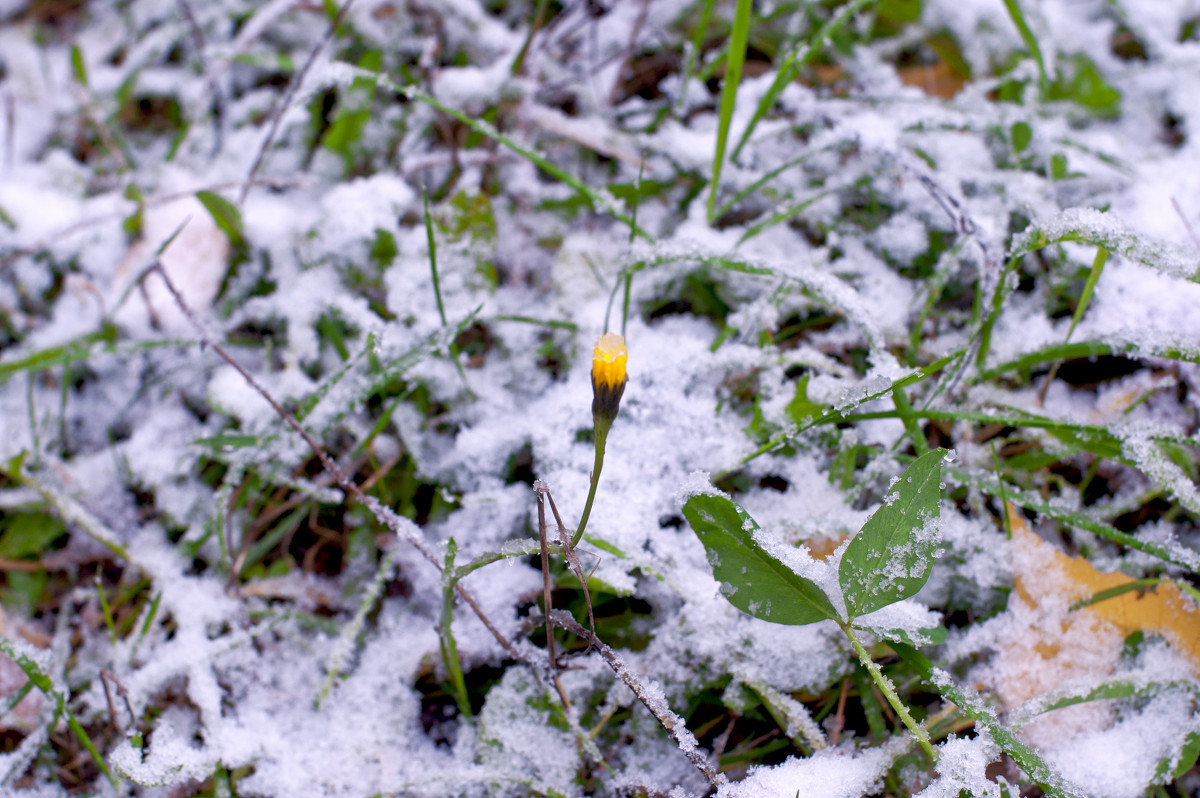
column 1165, row 610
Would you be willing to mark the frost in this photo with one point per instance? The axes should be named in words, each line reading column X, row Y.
column 1110, row 232
column 270, row 625
column 836, row 773
column 962, row 767
column 697, row 483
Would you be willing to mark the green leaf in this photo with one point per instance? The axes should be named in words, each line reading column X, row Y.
column 224, row 213
column 78, row 68
column 1083, row 84
column 890, row 558
column 1186, row 761
column 801, row 408
column 1021, row 136
column 24, row 589
column 752, row 579
column 134, row 222
column 383, row 248
column 1058, row 166
column 28, row 535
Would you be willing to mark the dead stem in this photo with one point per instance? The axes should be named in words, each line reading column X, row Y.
column 540, row 489
column 839, row 722
column 293, row 87
column 672, row 723
column 564, row 535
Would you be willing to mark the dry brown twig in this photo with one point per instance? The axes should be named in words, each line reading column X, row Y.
column 672, row 723
column 564, row 537
column 292, row 89
column 542, row 491
column 1186, row 224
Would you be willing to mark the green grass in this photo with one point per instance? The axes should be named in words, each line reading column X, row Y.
column 820, row 303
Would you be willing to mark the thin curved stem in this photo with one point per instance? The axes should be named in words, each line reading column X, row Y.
column 889, row 692
column 601, row 439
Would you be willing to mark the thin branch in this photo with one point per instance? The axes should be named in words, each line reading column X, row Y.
column 672, row 723
column 564, row 536
column 539, row 488
column 202, row 60
column 289, row 95
column 1187, row 225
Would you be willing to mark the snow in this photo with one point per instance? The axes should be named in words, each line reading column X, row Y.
column 961, row 767
column 443, row 404
column 833, row 772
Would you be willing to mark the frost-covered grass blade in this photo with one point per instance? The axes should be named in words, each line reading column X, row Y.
column 970, row 703
column 40, row 679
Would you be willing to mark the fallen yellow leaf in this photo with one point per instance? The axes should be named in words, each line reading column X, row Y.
column 1040, row 644
column 1163, row 609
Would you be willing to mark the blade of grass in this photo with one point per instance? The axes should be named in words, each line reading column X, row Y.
column 784, row 215
column 831, row 290
column 539, row 17
column 557, row 323
column 1031, row 42
column 796, row 60
column 988, row 484
column 729, row 90
column 106, row 610
column 768, row 177
column 1072, row 695
column 261, row 547
column 1113, row 592
column 1084, row 349
column 904, row 409
column 1105, row 229
column 40, row 679
column 452, row 346
column 935, row 286
column 837, row 416
column 449, row 646
column 348, row 637
column 1003, row 289
column 600, row 202
column 1010, row 419
column 972, row 705
column 10, row 702
column 42, row 360
column 1085, row 297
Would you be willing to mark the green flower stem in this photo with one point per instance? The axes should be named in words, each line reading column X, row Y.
column 885, row 686
column 602, row 427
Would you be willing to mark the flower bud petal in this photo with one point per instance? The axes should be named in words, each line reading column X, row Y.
column 608, row 376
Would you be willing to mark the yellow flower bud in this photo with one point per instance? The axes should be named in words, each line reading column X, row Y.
column 608, row 376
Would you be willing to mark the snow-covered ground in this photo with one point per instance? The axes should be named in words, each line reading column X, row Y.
column 409, row 222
